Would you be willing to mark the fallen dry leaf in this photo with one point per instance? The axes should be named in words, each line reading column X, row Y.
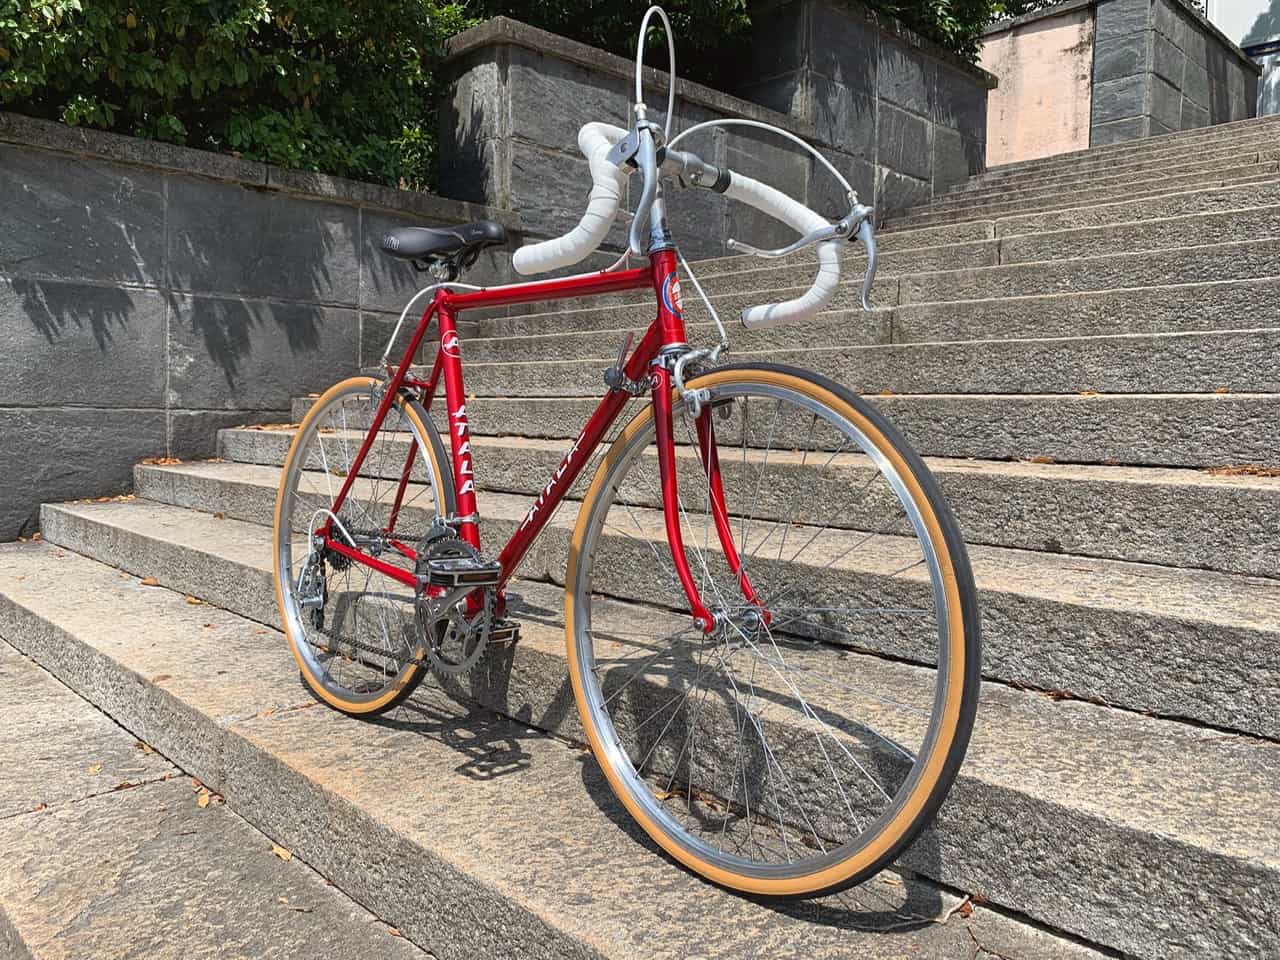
column 1244, row 470
column 966, row 909
column 202, row 799
column 263, row 714
column 151, row 582
column 194, row 601
column 1039, row 458
column 1084, row 393
column 161, row 678
column 219, row 515
column 35, row 537
column 161, row 461
column 95, row 769
column 274, row 426
column 281, row 852
column 144, row 747
column 1222, row 390
column 394, row 932
column 39, row 806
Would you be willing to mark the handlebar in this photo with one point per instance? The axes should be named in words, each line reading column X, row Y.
column 613, row 154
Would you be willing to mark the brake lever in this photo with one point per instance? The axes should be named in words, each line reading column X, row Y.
column 867, row 234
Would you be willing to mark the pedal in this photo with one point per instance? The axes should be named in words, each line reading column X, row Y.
column 504, row 631
column 453, row 572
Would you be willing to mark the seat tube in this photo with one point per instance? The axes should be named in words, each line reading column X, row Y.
column 459, row 431
column 671, row 496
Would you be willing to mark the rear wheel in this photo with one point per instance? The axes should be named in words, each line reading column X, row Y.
column 355, row 631
column 796, row 752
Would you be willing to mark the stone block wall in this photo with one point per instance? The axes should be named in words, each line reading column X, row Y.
column 1159, row 67
column 150, row 294
column 519, row 95
column 901, row 117
column 1154, row 67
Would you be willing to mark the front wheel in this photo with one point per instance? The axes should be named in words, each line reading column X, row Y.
column 804, row 742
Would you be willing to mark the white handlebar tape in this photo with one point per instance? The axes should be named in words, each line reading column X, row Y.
column 608, row 181
column 803, row 220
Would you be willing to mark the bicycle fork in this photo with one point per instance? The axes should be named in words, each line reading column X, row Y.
column 671, row 506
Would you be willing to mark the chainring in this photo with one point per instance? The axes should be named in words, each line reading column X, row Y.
column 454, row 644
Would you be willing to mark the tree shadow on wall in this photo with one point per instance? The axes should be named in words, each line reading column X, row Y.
column 1266, row 27
column 61, row 310
column 234, row 332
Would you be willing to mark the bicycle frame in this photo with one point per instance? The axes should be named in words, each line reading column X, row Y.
column 666, row 331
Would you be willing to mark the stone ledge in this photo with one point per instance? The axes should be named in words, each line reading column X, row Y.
column 503, row 30
column 1070, row 6
column 101, row 145
column 1057, row 10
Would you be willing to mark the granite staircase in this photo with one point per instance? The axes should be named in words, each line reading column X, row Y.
column 1083, row 347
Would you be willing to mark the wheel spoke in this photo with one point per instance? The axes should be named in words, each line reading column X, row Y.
column 776, row 740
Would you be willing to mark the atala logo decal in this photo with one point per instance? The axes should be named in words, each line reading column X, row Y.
column 451, row 346
column 462, row 455
column 671, row 294
column 560, row 472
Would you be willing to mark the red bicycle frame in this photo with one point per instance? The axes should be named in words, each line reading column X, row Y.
column 666, row 330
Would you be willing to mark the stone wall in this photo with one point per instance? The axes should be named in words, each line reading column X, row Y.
column 897, row 112
column 1157, row 66
column 1042, row 106
column 150, row 294
column 909, row 120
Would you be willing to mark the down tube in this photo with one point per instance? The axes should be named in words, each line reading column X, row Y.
column 575, row 459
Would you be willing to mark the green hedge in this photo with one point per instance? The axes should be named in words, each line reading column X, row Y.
column 347, row 87
column 343, row 86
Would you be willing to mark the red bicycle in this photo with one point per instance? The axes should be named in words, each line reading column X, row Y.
column 771, row 625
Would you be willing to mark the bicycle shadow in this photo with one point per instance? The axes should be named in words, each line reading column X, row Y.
column 893, row 902
column 901, row 901
column 489, row 742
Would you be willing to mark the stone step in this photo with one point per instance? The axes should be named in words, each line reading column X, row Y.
column 923, row 217
column 1099, row 182
column 1153, row 826
column 1171, row 430
column 515, row 831
column 1238, row 361
column 1186, row 229
column 106, row 851
column 1230, row 154
column 1177, row 518
column 1214, row 306
column 1220, row 199
column 1155, row 268
column 1265, row 193
column 1203, row 138
column 1120, row 633
column 731, row 292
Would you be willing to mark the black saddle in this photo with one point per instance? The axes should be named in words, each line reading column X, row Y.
column 449, row 249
